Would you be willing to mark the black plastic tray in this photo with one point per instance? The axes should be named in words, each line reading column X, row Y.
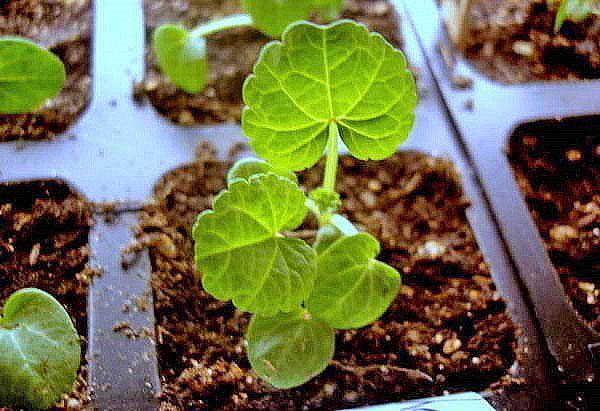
column 121, row 149
column 497, row 111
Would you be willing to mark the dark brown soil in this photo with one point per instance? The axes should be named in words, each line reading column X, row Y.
column 559, row 173
column 63, row 26
column 513, row 41
column 232, row 55
column 44, row 231
column 447, row 330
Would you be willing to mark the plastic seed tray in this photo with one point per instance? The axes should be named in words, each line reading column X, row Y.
column 486, row 114
column 121, row 148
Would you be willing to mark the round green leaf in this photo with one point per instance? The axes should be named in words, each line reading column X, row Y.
column 29, row 75
column 289, row 349
column 273, row 16
column 352, row 288
column 242, row 256
column 320, row 74
column 39, row 351
column 248, row 167
column 181, row 57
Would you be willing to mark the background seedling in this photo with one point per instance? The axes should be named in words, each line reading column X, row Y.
column 39, row 350
column 182, row 54
column 457, row 15
column 574, row 10
column 29, row 75
column 318, row 87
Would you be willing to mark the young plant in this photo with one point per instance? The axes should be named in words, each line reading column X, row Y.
column 29, row 75
column 318, row 87
column 39, row 351
column 574, row 10
column 182, row 54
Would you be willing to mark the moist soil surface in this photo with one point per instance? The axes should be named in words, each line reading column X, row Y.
column 513, row 41
column 448, row 329
column 231, row 55
column 559, row 174
column 44, row 231
column 64, row 26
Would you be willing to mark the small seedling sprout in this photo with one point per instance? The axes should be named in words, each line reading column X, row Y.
column 182, row 54
column 319, row 87
column 457, row 15
column 573, row 10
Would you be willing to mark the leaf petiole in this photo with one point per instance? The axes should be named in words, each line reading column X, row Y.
column 332, row 157
column 329, row 9
column 226, row 23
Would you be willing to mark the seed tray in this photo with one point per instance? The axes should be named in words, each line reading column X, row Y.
column 119, row 151
column 486, row 114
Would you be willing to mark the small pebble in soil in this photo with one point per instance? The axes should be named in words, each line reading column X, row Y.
column 524, row 48
column 432, row 249
column 563, row 233
column 460, row 82
column 574, row 155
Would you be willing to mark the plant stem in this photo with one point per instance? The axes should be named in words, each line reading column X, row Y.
column 226, row 23
column 332, row 157
column 330, row 13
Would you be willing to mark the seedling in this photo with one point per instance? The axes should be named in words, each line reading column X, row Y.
column 318, row 87
column 457, row 14
column 574, row 10
column 182, row 54
column 39, row 351
column 29, row 75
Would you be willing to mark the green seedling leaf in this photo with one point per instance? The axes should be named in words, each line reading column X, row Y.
column 39, row 351
column 352, row 288
column 29, row 75
column 181, row 57
column 273, row 16
column 329, row 9
column 289, row 349
column 248, row 167
column 574, row 10
column 337, row 228
column 242, row 256
column 321, row 74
